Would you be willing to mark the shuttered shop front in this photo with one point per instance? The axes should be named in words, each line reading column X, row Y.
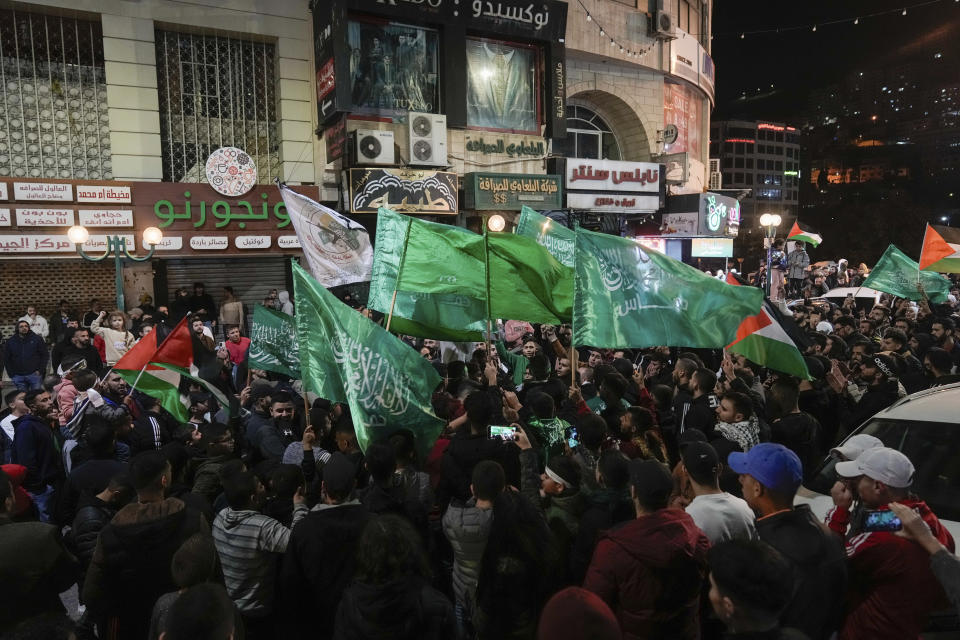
column 251, row 278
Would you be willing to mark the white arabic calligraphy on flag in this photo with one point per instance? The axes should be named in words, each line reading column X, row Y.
column 337, row 249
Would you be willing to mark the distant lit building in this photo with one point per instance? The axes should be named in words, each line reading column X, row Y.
column 763, row 157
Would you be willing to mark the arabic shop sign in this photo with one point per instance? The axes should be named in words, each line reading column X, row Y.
column 612, row 175
column 719, row 215
column 54, row 244
column 510, row 191
column 711, row 248
column 195, row 219
column 615, row 202
column 517, row 148
column 410, row 191
column 221, row 212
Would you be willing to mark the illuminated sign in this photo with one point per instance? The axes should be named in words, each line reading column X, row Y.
column 771, row 127
column 657, row 243
column 747, row 140
column 792, row 173
column 711, row 248
column 719, row 215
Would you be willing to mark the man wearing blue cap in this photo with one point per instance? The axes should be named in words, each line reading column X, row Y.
column 770, row 475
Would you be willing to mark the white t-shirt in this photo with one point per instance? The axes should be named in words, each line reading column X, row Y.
column 722, row 516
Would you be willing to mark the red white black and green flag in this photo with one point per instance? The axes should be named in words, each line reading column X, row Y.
column 765, row 340
column 941, row 249
column 796, row 233
column 157, row 369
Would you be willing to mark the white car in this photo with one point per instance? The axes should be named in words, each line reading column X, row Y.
column 926, row 427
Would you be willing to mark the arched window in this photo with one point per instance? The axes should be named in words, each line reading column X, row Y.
column 589, row 136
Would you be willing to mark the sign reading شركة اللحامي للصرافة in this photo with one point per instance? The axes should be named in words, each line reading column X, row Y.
column 511, row 191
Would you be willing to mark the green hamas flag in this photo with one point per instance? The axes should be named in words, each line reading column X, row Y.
column 346, row 357
column 897, row 274
column 556, row 238
column 629, row 296
column 273, row 342
column 441, row 292
column 439, row 274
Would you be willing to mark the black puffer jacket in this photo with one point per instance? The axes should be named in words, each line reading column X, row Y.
column 463, row 454
column 93, row 514
column 405, row 609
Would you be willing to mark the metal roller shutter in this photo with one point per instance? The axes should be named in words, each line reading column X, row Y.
column 251, row 278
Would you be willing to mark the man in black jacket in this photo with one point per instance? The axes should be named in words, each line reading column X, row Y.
column 879, row 372
column 131, row 564
column 770, row 475
column 320, row 558
column 78, row 347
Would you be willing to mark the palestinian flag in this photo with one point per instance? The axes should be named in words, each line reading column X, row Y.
column 941, row 249
column 796, row 233
column 157, row 369
column 765, row 339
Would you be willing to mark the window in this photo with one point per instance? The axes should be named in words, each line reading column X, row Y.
column 738, row 162
column 930, row 445
column 589, row 136
column 739, row 148
column 727, row 163
column 749, row 178
column 738, row 178
column 216, row 92
column 728, row 147
column 393, row 67
column 502, row 86
column 778, row 165
column 53, row 123
column 749, row 163
column 779, row 151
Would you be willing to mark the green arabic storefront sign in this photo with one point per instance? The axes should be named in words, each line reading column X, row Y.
column 511, row 191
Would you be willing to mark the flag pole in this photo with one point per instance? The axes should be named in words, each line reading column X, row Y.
column 396, row 285
column 136, row 381
column 486, row 269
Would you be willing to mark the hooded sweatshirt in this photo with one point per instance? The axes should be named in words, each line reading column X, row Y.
column 651, row 572
column 131, row 564
column 404, row 609
column 250, row 545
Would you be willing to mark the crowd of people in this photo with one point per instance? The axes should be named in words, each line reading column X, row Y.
column 575, row 493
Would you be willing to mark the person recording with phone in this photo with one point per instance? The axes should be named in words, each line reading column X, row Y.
column 892, row 588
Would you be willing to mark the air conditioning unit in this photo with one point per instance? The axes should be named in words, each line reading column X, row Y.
column 662, row 26
column 428, row 139
column 716, row 179
column 714, row 165
column 373, row 147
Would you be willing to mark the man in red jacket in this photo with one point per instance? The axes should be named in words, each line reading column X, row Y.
column 651, row 570
column 892, row 588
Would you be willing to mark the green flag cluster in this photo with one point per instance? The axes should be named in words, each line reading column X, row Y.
column 450, row 281
column 897, row 274
column 273, row 342
column 345, row 357
column 627, row 295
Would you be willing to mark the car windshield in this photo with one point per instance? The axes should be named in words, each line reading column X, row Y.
column 934, row 449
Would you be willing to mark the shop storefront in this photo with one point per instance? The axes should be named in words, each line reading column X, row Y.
column 242, row 241
column 697, row 227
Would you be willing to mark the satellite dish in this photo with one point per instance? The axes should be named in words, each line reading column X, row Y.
column 670, row 133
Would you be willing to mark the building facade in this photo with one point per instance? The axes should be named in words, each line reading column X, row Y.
column 115, row 112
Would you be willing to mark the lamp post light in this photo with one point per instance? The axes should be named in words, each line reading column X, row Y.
column 117, row 246
column 770, row 222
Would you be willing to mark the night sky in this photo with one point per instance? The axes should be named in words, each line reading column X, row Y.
column 796, row 61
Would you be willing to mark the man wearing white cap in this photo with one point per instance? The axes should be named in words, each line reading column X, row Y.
column 844, row 511
column 892, row 588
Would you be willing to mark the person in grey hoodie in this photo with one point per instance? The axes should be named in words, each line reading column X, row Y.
column 467, row 527
column 250, row 545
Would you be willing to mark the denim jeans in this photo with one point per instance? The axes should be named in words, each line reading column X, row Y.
column 26, row 383
column 44, row 503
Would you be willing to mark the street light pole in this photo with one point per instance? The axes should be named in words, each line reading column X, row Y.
column 116, row 246
column 770, row 222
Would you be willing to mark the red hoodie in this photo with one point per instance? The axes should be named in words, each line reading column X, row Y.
column 651, row 572
column 892, row 588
